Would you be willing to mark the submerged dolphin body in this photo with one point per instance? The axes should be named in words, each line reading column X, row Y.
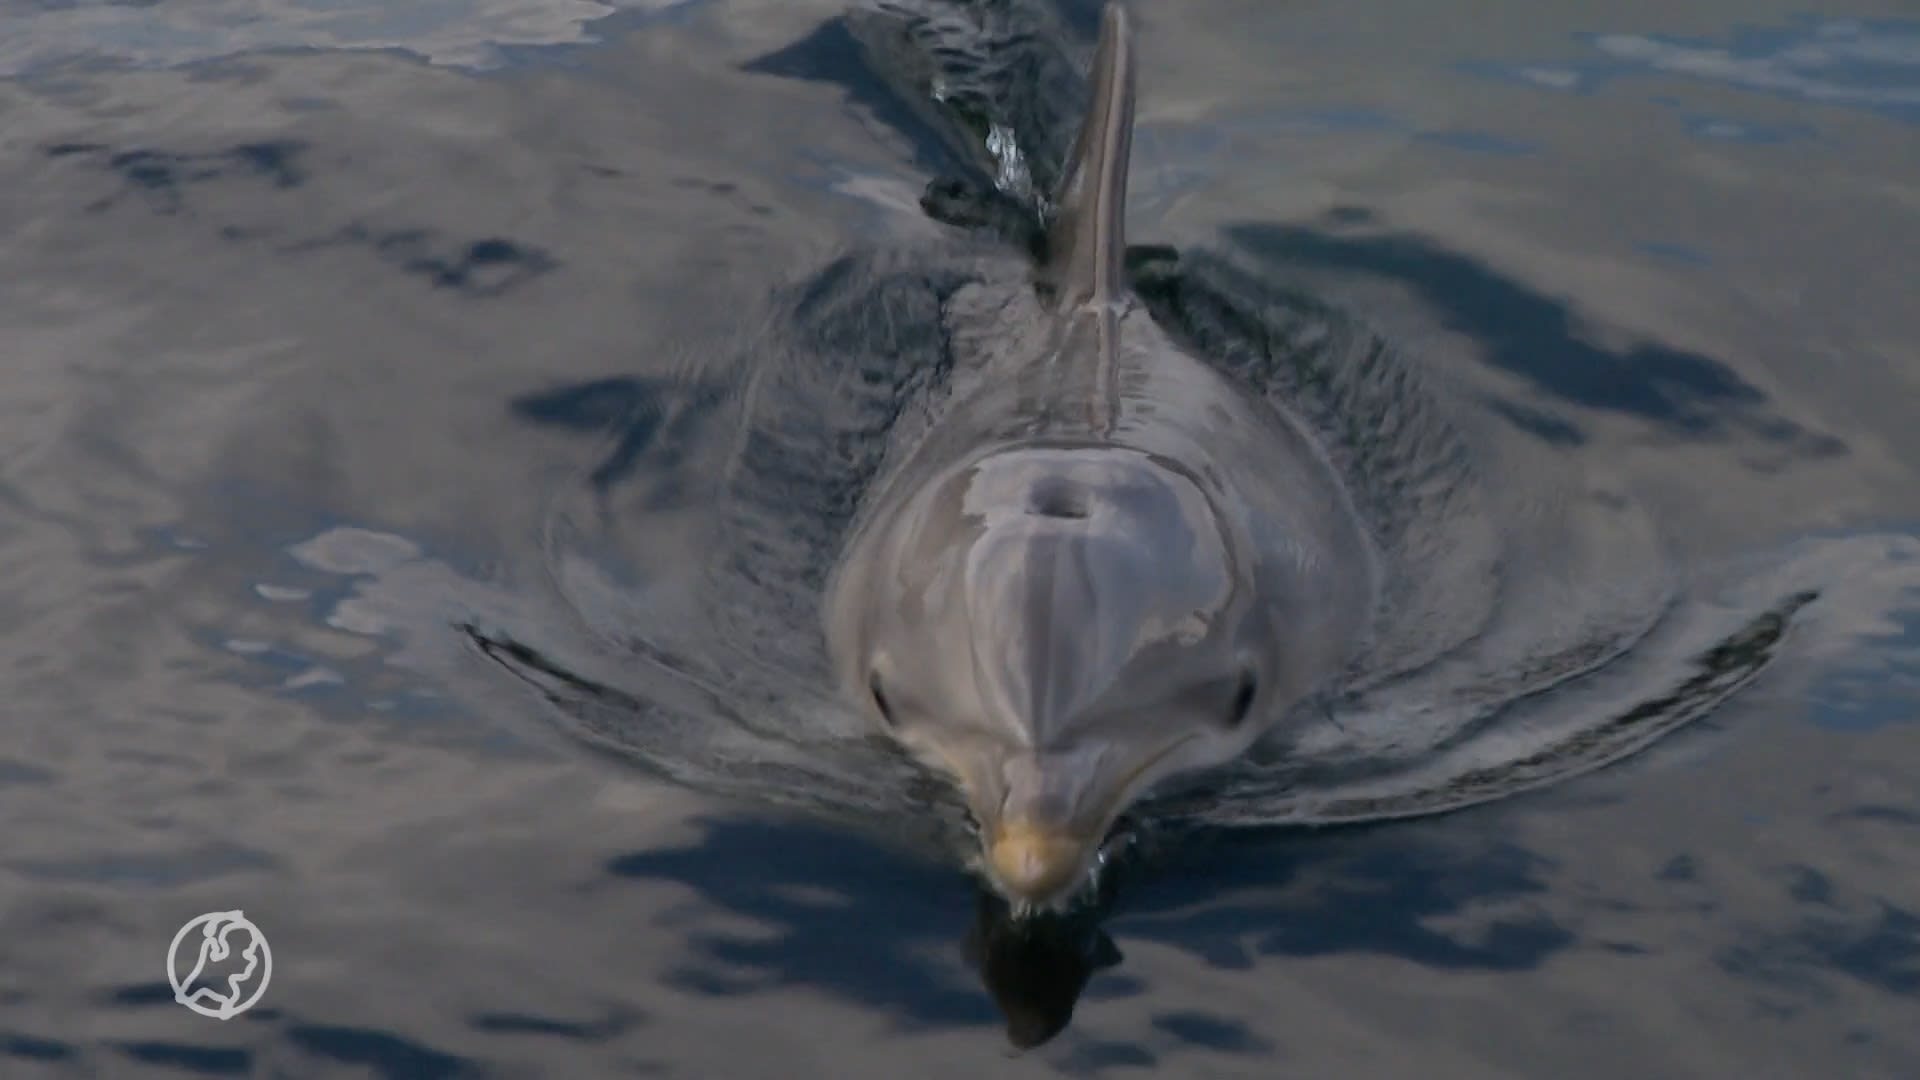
column 1103, row 563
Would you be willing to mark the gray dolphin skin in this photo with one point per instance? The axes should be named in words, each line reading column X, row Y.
column 1101, row 563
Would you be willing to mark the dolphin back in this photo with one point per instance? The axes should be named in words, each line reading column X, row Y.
column 1086, row 244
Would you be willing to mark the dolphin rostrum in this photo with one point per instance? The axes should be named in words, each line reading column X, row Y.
column 1103, row 563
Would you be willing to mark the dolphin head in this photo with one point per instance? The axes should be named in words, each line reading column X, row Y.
column 1056, row 628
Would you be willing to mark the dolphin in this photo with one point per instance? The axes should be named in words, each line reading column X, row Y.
column 1102, row 562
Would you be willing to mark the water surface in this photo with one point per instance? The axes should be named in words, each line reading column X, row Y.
column 273, row 285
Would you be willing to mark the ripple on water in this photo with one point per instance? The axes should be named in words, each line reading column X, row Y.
column 160, row 35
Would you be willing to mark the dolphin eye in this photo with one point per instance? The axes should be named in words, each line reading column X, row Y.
column 880, row 698
column 1243, row 696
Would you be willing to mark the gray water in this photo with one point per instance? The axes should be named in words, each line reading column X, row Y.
column 280, row 283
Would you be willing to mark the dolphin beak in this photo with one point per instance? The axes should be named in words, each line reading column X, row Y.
column 1034, row 862
column 1043, row 816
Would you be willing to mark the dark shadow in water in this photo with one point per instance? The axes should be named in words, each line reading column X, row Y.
column 479, row 268
column 153, row 993
column 1891, row 815
column 1680, row 868
column 1199, row 1029
column 592, row 1031
column 1101, row 1055
column 1349, row 892
column 14, row 772
column 853, row 920
column 1548, row 428
column 1834, row 936
column 380, row 1053
column 373, row 1053
column 383, row 1054
column 161, row 177
column 846, row 917
column 1881, row 950
column 30, row 1048
column 205, row 1060
column 1884, row 955
column 1536, row 337
column 644, row 415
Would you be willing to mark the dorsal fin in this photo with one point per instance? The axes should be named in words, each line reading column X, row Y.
column 1087, row 244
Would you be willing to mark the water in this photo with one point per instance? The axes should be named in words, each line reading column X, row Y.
column 283, row 298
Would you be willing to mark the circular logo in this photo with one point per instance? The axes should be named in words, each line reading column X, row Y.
column 204, row 941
